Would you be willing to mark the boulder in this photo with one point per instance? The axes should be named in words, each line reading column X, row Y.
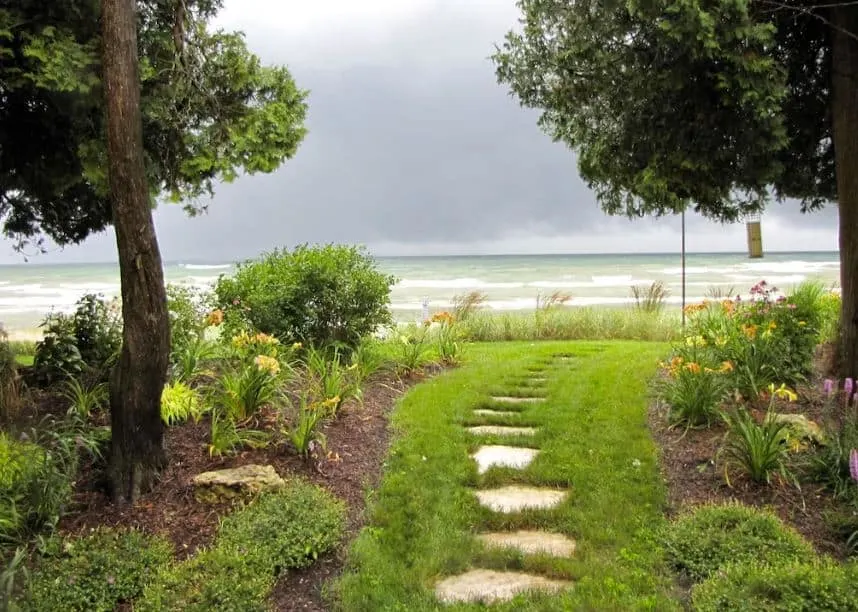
column 242, row 482
column 801, row 428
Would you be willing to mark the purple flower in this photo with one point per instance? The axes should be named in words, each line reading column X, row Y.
column 848, row 387
column 853, row 464
column 828, row 387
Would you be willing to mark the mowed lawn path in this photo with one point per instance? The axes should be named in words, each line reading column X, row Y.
column 526, row 480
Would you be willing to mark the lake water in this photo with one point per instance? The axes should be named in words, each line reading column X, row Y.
column 510, row 282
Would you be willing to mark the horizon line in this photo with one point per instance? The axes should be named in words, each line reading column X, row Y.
column 193, row 261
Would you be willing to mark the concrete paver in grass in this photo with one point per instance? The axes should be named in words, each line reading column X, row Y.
column 516, row 498
column 489, row 586
column 513, row 399
column 531, row 542
column 491, row 456
column 499, row 413
column 501, row 430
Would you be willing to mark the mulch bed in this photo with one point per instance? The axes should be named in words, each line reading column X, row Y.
column 693, row 477
column 357, row 442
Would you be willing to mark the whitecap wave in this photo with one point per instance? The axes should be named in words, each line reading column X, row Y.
column 205, row 266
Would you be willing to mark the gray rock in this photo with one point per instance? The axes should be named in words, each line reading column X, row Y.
column 241, row 482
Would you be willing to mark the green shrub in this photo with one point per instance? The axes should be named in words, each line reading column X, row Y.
column 57, row 357
column 98, row 330
column 315, row 295
column 97, row 572
column 821, row 585
column 89, row 338
column 279, row 531
column 213, row 580
column 285, row 530
column 704, row 540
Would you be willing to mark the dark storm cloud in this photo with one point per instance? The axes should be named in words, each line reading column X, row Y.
column 411, row 141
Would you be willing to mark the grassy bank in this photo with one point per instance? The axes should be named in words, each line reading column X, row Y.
column 574, row 323
column 593, row 441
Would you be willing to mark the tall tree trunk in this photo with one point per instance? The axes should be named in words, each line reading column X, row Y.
column 845, row 116
column 136, row 450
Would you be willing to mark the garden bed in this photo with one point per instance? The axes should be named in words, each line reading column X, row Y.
column 357, row 441
column 693, row 478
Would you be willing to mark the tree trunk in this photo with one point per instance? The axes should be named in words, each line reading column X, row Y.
column 845, row 117
column 136, row 450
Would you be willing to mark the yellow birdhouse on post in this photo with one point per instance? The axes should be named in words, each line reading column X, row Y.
column 755, row 236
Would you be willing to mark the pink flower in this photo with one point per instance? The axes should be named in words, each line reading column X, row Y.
column 853, row 464
column 828, row 387
column 848, row 387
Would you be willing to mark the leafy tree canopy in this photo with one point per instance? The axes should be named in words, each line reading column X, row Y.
column 714, row 105
column 210, row 110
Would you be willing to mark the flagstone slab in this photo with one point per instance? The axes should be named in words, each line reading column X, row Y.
column 489, row 586
column 517, row 498
column 494, row 455
column 500, row 413
column 500, row 430
column 531, row 542
column 511, row 399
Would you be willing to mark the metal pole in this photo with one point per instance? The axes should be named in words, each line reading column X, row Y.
column 683, row 268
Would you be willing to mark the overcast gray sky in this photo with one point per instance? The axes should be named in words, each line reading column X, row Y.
column 415, row 149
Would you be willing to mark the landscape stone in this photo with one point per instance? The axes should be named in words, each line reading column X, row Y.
column 489, row 586
column 515, row 498
column 531, row 542
column 503, row 456
column 241, row 482
column 500, row 430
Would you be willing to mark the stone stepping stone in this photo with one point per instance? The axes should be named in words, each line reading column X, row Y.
column 503, row 456
column 500, row 430
column 499, row 413
column 510, row 399
column 489, row 586
column 516, row 498
column 531, row 542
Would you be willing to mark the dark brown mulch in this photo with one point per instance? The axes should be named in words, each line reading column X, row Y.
column 692, row 476
column 357, row 442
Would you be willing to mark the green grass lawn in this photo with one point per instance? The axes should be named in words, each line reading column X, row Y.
column 594, row 441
